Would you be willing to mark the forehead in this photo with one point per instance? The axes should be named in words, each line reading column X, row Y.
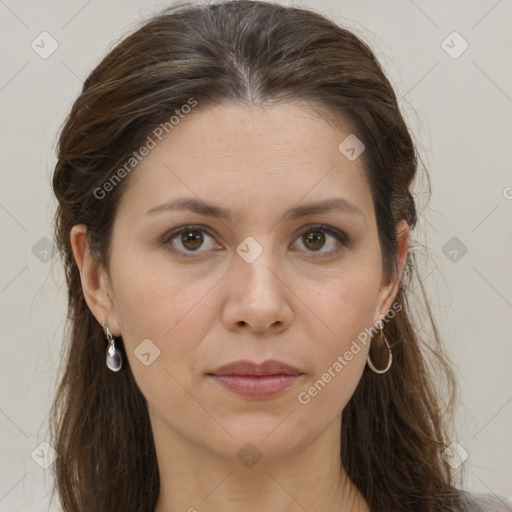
column 244, row 155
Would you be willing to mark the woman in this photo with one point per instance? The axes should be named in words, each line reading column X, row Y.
column 235, row 218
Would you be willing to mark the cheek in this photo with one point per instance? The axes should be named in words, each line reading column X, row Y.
column 172, row 306
column 346, row 305
column 154, row 297
column 339, row 356
column 162, row 322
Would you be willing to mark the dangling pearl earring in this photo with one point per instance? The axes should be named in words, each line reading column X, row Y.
column 114, row 358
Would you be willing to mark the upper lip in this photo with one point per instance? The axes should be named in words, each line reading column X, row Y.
column 269, row 367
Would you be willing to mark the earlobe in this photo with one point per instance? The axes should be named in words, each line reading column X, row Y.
column 95, row 283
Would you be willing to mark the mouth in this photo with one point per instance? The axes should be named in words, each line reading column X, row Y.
column 266, row 380
column 252, row 386
column 250, row 368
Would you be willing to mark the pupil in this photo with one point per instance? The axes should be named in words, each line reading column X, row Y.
column 313, row 237
column 192, row 238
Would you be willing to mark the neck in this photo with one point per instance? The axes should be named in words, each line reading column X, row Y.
column 194, row 479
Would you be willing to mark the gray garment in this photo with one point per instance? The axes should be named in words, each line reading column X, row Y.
column 474, row 502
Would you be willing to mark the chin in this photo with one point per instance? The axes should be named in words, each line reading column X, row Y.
column 270, row 436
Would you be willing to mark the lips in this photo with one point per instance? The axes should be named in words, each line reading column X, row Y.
column 257, row 381
column 249, row 368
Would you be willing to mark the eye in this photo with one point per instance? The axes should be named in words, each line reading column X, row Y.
column 314, row 238
column 188, row 239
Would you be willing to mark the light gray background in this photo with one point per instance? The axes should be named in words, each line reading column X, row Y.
column 460, row 112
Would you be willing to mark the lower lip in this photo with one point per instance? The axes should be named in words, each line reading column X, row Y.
column 253, row 386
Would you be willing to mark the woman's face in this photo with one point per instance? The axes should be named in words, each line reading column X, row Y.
column 267, row 280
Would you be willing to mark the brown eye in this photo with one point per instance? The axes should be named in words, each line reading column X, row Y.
column 194, row 239
column 314, row 240
column 191, row 239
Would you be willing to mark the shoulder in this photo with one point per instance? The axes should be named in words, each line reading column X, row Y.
column 474, row 502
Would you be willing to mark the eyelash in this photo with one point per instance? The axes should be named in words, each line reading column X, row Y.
column 341, row 238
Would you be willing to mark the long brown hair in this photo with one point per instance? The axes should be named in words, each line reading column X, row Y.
column 393, row 428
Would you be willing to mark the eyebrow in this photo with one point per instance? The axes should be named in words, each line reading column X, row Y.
column 210, row 210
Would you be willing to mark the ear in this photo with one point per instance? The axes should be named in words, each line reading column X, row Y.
column 389, row 289
column 95, row 282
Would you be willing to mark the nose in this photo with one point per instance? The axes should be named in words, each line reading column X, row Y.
column 258, row 295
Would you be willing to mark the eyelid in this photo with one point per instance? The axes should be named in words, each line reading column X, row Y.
column 337, row 233
column 342, row 238
column 172, row 234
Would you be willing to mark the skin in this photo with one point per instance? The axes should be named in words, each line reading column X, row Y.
column 205, row 310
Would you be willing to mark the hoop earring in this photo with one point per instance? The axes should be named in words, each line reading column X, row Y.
column 390, row 359
column 114, row 359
